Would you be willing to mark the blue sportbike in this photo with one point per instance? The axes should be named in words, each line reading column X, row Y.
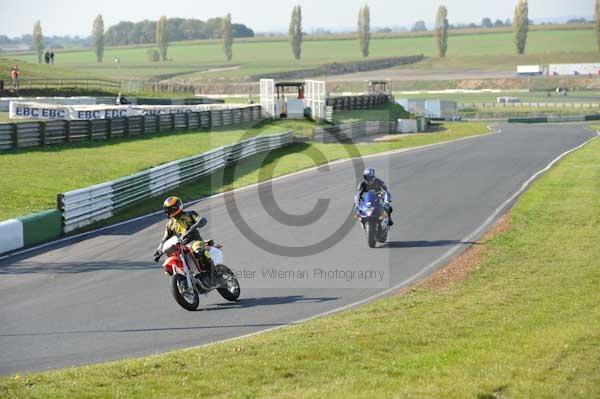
column 374, row 217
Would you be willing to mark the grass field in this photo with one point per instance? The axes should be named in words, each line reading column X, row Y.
column 32, row 178
column 195, row 60
column 524, row 324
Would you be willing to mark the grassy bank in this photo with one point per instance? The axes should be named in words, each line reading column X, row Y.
column 205, row 62
column 524, row 324
column 32, row 178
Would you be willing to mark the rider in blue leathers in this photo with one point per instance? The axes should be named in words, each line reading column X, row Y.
column 371, row 182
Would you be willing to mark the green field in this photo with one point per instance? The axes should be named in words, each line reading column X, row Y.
column 193, row 60
column 524, row 324
column 32, row 178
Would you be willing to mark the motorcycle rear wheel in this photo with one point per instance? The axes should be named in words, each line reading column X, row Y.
column 188, row 300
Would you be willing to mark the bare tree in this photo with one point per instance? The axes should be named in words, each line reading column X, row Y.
column 364, row 29
column 227, row 36
column 597, row 22
column 162, row 41
column 521, row 25
column 441, row 30
column 98, row 38
column 295, row 32
column 38, row 40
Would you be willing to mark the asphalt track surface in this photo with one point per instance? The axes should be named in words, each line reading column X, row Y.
column 101, row 297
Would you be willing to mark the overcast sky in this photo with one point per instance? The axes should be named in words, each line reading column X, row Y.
column 74, row 17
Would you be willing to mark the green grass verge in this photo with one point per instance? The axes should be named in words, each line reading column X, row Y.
column 525, row 324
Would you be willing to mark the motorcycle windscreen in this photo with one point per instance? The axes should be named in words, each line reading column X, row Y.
column 370, row 197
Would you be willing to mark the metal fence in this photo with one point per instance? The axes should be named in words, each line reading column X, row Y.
column 82, row 207
column 64, row 84
column 33, row 134
column 348, row 132
column 530, row 105
column 357, row 102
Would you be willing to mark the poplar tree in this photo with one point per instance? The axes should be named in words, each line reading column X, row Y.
column 521, row 25
column 441, row 30
column 227, row 30
column 38, row 40
column 98, row 38
column 162, row 40
column 364, row 29
column 295, row 32
column 597, row 22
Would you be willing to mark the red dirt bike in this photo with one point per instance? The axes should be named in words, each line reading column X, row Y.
column 189, row 278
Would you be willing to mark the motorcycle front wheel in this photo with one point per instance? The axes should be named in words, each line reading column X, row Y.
column 231, row 291
column 185, row 296
column 371, row 230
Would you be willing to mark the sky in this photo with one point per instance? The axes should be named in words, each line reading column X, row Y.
column 74, row 17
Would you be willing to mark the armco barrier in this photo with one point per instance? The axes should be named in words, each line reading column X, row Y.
column 351, row 131
column 11, row 235
column 557, row 118
column 82, row 207
column 29, row 230
column 41, row 226
column 33, row 134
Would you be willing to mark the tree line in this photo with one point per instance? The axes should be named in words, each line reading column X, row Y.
column 166, row 30
column 177, row 29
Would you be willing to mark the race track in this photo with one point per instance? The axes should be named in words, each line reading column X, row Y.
column 101, row 297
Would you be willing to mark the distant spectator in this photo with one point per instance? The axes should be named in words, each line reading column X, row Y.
column 47, row 56
column 52, row 57
column 121, row 100
column 14, row 74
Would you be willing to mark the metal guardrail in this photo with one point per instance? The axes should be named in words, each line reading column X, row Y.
column 87, row 84
column 82, row 207
column 33, row 134
column 349, row 131
column 555, row 119
column 531, row 105
column 357, row 102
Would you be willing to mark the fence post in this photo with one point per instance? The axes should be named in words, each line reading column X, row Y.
column 187, row 121
column 42, row 133
column 143, row 129
column 157, row 116
column 67, row 131
column 109, row 128
column 126, row 126
column 172, row 121
column 14, row 135
column 90, row 130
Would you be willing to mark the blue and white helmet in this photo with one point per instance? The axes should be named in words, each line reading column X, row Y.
column 369, row 174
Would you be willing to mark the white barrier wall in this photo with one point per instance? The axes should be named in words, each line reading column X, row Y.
column 5, row 101
column 11, row 235
column 40, row 111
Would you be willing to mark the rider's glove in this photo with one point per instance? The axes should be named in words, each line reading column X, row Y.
column 157, row 255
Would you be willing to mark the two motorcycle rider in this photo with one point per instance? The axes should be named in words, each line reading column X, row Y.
column 371, row 182
column 180, row 221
